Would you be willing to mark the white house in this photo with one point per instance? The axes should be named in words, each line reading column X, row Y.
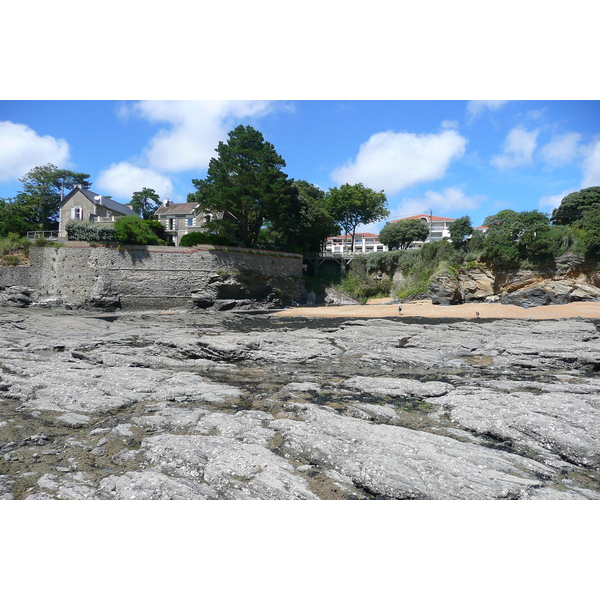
column 363, row 243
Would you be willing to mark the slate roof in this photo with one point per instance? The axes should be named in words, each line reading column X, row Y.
column 180, row 208
column 108, row 203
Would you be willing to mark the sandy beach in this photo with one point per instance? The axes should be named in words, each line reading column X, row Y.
column 424, row 308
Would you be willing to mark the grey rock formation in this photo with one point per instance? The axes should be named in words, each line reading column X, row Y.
column 227, row 405
column 568, row 283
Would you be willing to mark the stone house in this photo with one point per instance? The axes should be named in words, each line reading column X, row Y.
column 81, row 204
column 181, row 218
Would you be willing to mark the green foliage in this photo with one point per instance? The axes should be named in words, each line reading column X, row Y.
column 13, row 243
column 460, row 230
column 12, row 260
column 199, row 237
column 41, row 195
column 317, row 223
column 362, row 288
column 15, row 217
column 515, row 237
column 589, row 232
column 351, row 205
column 245, row 184
column 134, row 230
column 573, row 206
column 145, row 203
column 84, row 231
column 401, row 234
column 384, row 262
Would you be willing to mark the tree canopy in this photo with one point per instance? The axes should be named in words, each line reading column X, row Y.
column 573, row 205
column 246, row 188
column 352, row 205
column 145, row 203
column 317, row 221
column 460, row 230
column 43, row 189
column 400, row 235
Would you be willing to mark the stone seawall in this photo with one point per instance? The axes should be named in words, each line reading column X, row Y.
column 140, row 277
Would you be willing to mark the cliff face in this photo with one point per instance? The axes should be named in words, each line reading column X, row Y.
column 572, row 280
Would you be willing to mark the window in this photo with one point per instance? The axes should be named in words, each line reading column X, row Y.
column 190, row 222
column 171, row 224
column 77, row 213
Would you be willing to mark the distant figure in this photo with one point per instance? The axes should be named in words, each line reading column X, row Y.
column 476, row 314
column 399, row 308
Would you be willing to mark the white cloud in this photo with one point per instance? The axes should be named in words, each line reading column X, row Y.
column 446, row 124
column 122, row 179
column 548, row 203
column 193, row 129
column 561, row 149
column 518, row 149
column 477, row 107
column 22, row 149
column 591, row 166
column 393, row 161
column 449, row 200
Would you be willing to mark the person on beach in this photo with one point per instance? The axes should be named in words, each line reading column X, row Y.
column 399, row 308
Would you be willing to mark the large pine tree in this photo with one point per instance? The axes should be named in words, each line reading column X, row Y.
column 245, row 184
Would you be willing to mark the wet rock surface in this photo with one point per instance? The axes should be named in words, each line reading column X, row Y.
column 214, row 405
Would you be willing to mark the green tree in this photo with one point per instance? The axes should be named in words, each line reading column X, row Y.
column 145, row 203
column 43, row 190
column 246, row 188
column 134, row 230
column 351, row 205
column 572, row 206
column 15, row 217
column 515, row 236
column 460, row 231
column 399, row 235
column 589, row 231
column 317, row 223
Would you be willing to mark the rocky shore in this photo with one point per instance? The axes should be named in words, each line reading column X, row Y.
column 235, row 405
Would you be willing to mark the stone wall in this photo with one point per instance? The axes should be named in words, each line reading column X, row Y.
column 140, row 276
column 10, row 276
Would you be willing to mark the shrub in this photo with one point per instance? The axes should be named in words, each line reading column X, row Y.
column 11, row 260
column 13, row 243
column 134, row 230
column 200, row 237
column 84, row 231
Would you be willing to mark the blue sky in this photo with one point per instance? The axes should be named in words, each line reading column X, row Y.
column 452, row 157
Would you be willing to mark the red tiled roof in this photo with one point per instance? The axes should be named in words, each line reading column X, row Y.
column 349, row 237
column 433, row 218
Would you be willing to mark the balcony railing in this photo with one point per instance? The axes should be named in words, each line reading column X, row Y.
column 48, row 235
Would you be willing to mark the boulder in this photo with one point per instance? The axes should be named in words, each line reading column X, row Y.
column 444, row 290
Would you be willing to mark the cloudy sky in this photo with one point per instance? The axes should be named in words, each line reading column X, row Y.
column 449, row 157
column 375, row 95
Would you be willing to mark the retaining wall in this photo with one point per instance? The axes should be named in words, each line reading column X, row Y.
column 140, row 276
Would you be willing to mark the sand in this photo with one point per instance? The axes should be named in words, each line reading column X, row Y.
column 424, row 308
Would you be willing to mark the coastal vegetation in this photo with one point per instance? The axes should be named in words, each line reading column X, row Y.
column 257, row 205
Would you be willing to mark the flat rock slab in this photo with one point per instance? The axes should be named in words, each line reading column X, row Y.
column 394, row 462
